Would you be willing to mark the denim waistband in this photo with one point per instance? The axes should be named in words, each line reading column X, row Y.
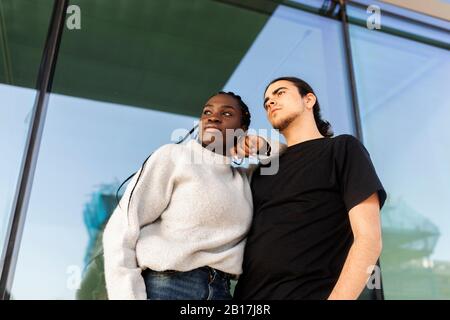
column 222, row 273
column 205, row 268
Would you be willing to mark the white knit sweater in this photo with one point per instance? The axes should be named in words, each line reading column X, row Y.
column 190, row 209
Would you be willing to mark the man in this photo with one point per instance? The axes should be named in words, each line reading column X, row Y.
column 316, row 228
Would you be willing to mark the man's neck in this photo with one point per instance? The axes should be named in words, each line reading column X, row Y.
column 301, row 131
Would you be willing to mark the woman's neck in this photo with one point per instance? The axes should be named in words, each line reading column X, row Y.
column 220, row 151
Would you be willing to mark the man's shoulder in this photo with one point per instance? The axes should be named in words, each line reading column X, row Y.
column 345, row 138
column 347, row 145
column 346, row 141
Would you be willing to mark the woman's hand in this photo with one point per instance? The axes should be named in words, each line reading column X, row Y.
column 250, row 145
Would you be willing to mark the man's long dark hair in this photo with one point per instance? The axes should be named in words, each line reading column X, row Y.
column 304, row 88
column 245, row 122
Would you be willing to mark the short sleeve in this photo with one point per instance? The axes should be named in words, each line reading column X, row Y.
column 356, row 173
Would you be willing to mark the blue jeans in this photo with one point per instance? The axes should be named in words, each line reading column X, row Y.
column 199, row 284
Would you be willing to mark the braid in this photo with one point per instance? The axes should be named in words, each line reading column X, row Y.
column 246, row 117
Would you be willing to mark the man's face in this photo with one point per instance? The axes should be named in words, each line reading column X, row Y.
column 283, row 104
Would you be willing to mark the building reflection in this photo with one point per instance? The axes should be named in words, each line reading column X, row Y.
column 409, row 240
column 96, row 213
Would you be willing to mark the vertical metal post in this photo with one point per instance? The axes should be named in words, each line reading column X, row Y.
column 351, row 71
column 25, row 180
column 379, row 294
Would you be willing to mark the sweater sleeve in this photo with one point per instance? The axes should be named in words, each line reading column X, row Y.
column 151, row 195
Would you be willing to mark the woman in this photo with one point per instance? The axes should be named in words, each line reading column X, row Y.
column 179, row 230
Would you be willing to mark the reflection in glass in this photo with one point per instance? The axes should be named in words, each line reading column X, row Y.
column 96, row 214
column 15, row 114
column 405, row 106
column 23, row 28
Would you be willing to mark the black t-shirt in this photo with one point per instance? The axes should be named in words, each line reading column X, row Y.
column 301, row 233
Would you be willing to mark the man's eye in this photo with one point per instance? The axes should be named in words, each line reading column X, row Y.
column 206, row 112
column 280, row 92
column 228, row 114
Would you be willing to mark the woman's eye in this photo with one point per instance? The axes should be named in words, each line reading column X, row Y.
column 228, row 114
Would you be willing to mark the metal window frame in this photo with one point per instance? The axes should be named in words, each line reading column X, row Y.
column 23, row 190
column 350, row 68
column 378, row 293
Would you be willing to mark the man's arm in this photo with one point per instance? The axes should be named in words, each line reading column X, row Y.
column 364, row 252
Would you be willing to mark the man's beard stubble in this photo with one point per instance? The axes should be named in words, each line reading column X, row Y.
column 282, row 124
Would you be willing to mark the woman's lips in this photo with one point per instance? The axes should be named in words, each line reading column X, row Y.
column 211, row 128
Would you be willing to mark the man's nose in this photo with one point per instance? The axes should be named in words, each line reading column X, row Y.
column 272, row 103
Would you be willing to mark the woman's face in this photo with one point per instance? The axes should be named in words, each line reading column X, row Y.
column 220, row 112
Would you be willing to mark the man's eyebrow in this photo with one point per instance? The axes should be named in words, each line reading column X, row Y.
column 274, row 92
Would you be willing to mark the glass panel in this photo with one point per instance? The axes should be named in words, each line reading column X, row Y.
column 405, row 104
column 23, row 30
column 297, row 43
column 134, row 73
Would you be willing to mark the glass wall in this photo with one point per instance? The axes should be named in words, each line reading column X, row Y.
column 133, row 74
column 405, row 105
column 23, row 30
column 137, row 71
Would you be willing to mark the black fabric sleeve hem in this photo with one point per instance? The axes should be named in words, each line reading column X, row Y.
column 356, row 199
